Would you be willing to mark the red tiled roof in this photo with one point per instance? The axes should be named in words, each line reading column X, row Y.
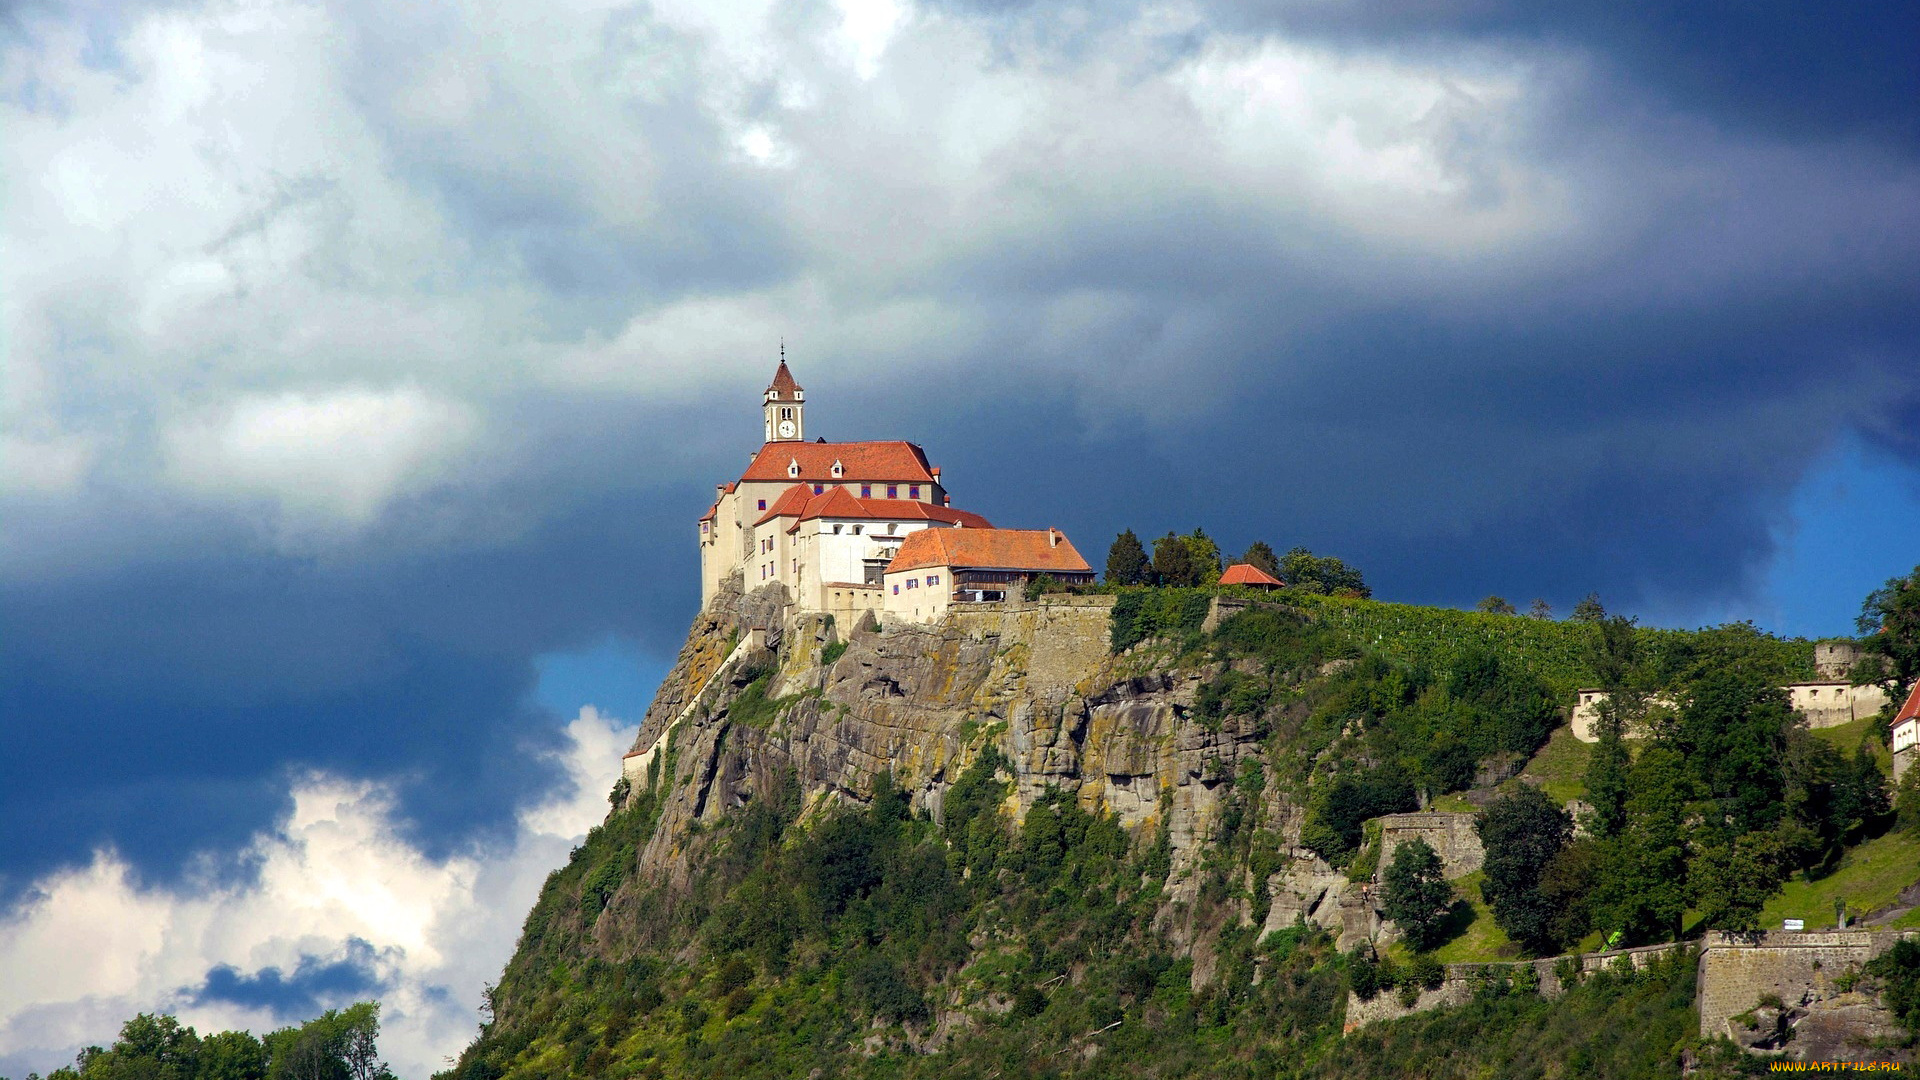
column 885, row 462
column 1912, row 708
column 783, row 385
column 997, row 549
column 711, row 511
column 1248, row 574
column 790, row 503
column 801, row 504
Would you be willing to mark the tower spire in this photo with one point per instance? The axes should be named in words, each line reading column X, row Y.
column 784, row 402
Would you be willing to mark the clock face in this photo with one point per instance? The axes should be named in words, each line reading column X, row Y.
column 786, row 429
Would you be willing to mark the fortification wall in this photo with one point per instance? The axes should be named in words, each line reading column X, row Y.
column 1463, row 981
column 1824, row 704
column 1736, row 971
column 1450, row 835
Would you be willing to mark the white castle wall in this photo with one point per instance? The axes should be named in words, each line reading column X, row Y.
column 1824, row 704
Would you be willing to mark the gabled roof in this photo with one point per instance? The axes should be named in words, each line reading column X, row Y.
column 790, row 503
column 801, row 504
column 783, row 386
column 1248, row 574
column 1034, row 550
column 884, row 462
column 1911, row 709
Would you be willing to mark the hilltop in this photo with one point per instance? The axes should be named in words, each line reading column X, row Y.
column 1160, row 831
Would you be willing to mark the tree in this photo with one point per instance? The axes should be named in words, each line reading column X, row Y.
column 1641, row 889
column 1417, row 895
column 1322, row 574
column 1611, row 649
column 336, row 1045
column 1890, row 627
column 1607, row 771
column 1906, row 802
column 1126, row 561
column 1206, row 555
column 1860, row 803
column 1539, row 609
column 1173, row 562
column 1731, row 879
column 1261, row 558
column 1521, row 834
column 1589, row 609
column 1495, row 605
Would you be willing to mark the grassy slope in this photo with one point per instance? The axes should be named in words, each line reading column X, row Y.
column 1561, row 766
column 1869, row 876
column 1478, row 939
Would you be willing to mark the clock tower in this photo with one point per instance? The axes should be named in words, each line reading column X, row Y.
column 785, row 403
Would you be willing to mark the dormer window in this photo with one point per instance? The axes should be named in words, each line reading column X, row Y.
column 793, row 468
column 839, row 470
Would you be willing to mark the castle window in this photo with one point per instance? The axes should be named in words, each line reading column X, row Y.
column 786, row 414
column 836, row 530
column 896, row 590
column 866, row 491
column 893, row 491
column 839, row 469
column 817, row 489
column 913, row 583
column 763, row 504
column 933, row 579
column 913, row 491
column 856, row 529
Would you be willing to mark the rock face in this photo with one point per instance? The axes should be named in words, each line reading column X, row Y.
column 1033, row 679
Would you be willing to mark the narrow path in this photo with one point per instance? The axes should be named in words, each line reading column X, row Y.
column 635, row 765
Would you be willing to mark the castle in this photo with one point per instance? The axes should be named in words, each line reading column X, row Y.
column 855, row 527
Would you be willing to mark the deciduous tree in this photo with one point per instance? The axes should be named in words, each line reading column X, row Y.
column 1522, row 833
column 1416, row 893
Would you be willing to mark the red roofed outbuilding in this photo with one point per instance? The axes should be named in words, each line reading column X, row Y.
column 1249, row 575
column 1906, row 735
column 937, row 568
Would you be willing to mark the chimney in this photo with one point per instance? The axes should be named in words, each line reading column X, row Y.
column 1053, row 537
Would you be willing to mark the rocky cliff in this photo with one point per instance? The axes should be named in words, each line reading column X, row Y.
column 1076, row 835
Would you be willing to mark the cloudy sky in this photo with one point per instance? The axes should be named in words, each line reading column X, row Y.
column 366, row 365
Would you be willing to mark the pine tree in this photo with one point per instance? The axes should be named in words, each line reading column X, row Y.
column 1126, row 561
column 1173, row 562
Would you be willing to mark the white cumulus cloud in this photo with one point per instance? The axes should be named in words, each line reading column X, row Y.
column 336, row 880
column 336, row 456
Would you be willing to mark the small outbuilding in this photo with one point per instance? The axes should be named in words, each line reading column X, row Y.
column 1251, row 576
column 1906, row 735
column 938, row 568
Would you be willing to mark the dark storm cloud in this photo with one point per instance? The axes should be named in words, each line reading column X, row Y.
column 315, row 983
column 1618, row 405
column 158, row 707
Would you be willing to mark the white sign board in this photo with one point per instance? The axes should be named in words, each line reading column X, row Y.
column 1796, row 924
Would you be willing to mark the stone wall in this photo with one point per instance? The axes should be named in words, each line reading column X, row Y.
column 1824, row 704
column 1464, row 980
column 1450, row 835
column 1803, row 970
column 1812, row 1012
